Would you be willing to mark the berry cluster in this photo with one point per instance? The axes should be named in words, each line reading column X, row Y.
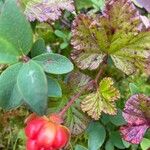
column 45, row 133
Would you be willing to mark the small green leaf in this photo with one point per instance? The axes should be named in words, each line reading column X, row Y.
column 54, row 89
column 134, row 89
column 32, row 84
column 118, row 119
column 14, row 29
column 63, row 45
column 9, row 94
column 145, row 144
column 54, row 63
column 60, row 34
column 38, row 48
column 109, row 145
column 79, row 147
column 97, row 136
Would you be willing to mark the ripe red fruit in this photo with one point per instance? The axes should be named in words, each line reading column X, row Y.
column 31, row 145
column 62, row 137
column 34, row 126
column 46, row 136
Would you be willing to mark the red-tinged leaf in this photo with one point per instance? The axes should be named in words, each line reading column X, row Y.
column 133, row 134
column 43, row 10
column 137, row 115
column 123, row 37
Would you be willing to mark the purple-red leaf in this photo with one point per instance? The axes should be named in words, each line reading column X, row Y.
column 43, row 10
column 137, row 115
column 133, row 134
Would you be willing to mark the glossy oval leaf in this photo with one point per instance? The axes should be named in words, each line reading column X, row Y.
column 9, row 94
column 14, row 29
column 54, row 89
column 38, row 48
column 117, row 140
column 97, row 136
column 109, row 145
column 32, row 84
column 54, row 63
column 118, row 119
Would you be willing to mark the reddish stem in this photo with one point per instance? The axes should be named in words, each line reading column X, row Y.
column 90, row 83
column 72, row 100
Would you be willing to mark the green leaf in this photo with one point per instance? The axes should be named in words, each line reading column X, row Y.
column 54, row 89
column 38, row 48
column 109, row 145
column 117, row 140
column 32, row 84
column 99, row 4
column 83, row 4
column 103, row 100
column 118, row 119
column 9, row 94
column 60, row 34
column 134, row 89
column 54, row 63
column 15, row 33
column 97, row 136
column 79, row 147
column 63, row 45
column 145, row 144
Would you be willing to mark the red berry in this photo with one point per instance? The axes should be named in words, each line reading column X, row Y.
column 31, row 145
column 46, row 135
column 34, row 126
column 62, row 137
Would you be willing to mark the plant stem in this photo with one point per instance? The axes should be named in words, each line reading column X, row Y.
column 90, row 83
column 72, row 100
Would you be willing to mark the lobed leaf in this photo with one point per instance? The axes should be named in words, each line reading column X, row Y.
column 102, row 100
column 44, row 10
column 137, row 115
column 119, row 32
column 87, row 36
column 74, row 120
